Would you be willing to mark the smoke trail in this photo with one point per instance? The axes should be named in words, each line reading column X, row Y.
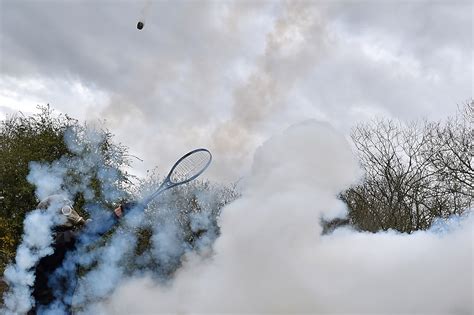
column 292, row 48
column 272, row 258
column 145, row 12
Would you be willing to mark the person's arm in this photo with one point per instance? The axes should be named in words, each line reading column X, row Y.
column 106, row 221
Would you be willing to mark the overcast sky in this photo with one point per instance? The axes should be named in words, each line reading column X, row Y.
column 229, row 74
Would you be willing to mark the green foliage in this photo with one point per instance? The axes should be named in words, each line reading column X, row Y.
column 45, row 138
column 39, row 138
column 24, row 139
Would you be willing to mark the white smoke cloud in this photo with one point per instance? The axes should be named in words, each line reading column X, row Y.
column 47, row 178
column 66, row 176
column 108, row 261
column 271, row 257
column 107, row 274
column 36, row 243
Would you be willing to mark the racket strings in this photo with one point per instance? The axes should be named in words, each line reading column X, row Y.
column 190, row 166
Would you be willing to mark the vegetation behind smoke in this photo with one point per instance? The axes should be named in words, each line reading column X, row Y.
column 24, row 139
column 42, row 138
column 414, row 174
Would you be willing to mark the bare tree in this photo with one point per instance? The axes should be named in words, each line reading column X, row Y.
column 451, row 150
column 413, row 173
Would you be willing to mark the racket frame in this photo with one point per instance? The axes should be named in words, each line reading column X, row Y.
column 167, row 183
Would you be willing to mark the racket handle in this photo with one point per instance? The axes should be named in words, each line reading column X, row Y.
column 166, row 185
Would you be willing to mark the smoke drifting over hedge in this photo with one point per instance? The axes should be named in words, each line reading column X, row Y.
column 266, row 253
column 272, row 258
column 102, row 261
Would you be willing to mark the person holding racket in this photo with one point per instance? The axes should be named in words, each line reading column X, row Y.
column 187, row 168
column 65, row 239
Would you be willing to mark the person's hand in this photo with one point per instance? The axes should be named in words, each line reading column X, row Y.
column 125, row 207
column 118, row 211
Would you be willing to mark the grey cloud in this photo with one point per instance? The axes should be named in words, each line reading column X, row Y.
column 423, row 26
column 229, row 74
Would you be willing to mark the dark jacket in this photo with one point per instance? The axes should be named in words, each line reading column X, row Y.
column 65, row 240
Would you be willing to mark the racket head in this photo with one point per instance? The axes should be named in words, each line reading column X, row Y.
column 189, row 166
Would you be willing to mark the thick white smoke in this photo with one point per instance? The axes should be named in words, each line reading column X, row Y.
column 272, row 258
column 36, row 243
column 67, row 176
column 103, row 262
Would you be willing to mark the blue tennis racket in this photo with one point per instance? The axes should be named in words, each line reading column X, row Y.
column 187, row 168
